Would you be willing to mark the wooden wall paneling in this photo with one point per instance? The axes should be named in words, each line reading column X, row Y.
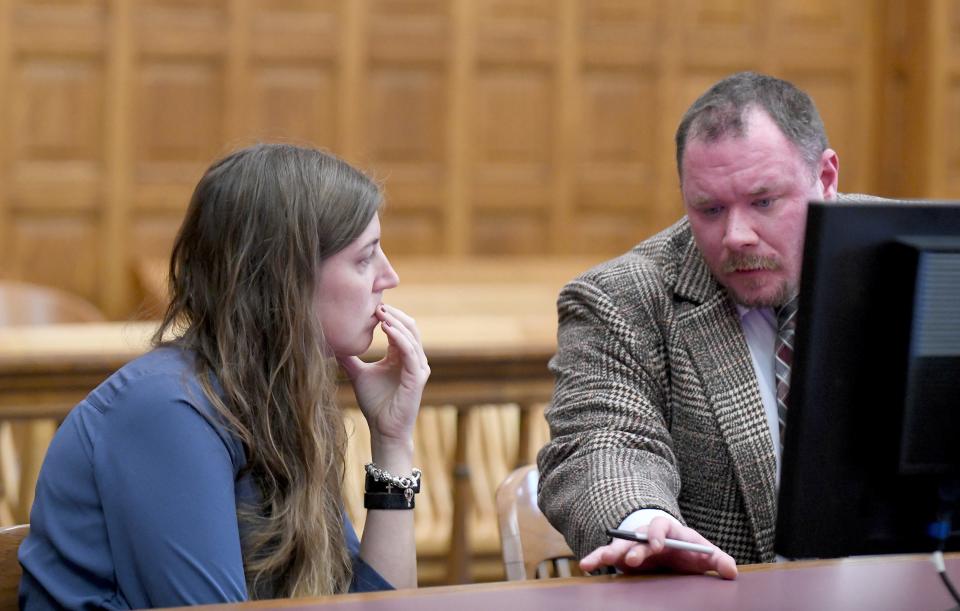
column 616, row 194
column 946, row 149
column 869, row 89
column 950, row 120
column 293, row 101
column 55, row 249
column 305, row 30
column 150, row 236
column 931, row 70
column 671, row 101
column 500, row 127
column 406, row 102
column 710, row 41
column 913, row 117
column 6, row 126
column 180, row 102
column 840, row 98
column 172, row 149
column 55, row 169
column 352, row 60
column 931, row 104
column 514, row 135
column 58, row 158
column 238, row 22
column 715, row 40
column 893, row 85
column 617, row 173
column 900, row 128
column 291, row 91
column 722, row 33
column 566, row 127
column 827, row 49
column 117, row 299
column 460, row 129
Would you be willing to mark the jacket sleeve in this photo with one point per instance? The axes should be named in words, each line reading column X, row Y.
column 610, row 451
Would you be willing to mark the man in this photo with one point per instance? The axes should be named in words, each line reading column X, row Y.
column 665, row 417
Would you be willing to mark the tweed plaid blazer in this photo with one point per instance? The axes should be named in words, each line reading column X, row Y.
column 657, row 405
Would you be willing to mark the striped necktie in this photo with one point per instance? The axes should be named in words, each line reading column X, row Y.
column 786, row 328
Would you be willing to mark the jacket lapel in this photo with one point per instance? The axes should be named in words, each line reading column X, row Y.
column 718, row 351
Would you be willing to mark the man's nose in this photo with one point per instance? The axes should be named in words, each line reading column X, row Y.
column 739, row 231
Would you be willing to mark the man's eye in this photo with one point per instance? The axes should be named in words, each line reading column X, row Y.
column 763, row 203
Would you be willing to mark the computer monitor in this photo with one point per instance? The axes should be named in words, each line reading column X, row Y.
column 872, row 440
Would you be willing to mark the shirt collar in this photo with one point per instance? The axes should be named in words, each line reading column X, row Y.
column 766, row 312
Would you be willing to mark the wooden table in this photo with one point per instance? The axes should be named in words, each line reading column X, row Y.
column 895, row 583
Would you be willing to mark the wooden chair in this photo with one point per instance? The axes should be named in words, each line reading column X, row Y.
column 32, row 304
column 10, row 539
column 24, row 444
column 530, row 545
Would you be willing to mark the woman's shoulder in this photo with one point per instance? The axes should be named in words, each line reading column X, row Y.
column 161, row 375
column 160, row 388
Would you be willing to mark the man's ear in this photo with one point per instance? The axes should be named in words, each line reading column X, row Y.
column 829, row 174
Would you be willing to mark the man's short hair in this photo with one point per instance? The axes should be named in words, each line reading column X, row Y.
column 721, row 110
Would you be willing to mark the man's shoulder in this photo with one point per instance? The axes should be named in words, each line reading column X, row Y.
column 657, row 258
column 861, row 197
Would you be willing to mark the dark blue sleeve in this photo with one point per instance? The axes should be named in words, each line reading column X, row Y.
column 166, row 479
column 365, row 577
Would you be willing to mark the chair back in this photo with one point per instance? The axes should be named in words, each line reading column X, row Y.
column 531, row 546
column 32, row 304
column 10, row 539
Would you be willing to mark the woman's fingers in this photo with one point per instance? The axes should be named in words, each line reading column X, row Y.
column 404, row 325
column 412, row 357
column 405, row 318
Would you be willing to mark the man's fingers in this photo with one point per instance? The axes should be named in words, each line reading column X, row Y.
column 657, row 531
column 619, row 553
column 637, row 555
column 591, row 561
column 726, row 566
column 627, row 555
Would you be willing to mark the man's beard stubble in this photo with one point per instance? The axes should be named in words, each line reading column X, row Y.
column 738, row 262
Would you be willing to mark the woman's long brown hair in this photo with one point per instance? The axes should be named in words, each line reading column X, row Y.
column 242, row 283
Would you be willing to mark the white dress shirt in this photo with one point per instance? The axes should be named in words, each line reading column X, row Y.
column 760, row 330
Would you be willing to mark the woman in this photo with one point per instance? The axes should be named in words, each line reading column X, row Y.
column 210, row 469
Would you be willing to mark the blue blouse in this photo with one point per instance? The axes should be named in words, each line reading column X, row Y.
column 136, row 503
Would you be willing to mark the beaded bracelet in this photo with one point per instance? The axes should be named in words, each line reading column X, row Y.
column 385, row 491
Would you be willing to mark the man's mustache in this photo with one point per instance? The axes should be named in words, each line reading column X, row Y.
column 738, row 262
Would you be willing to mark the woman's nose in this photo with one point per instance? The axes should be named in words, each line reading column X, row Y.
column 388, row 277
